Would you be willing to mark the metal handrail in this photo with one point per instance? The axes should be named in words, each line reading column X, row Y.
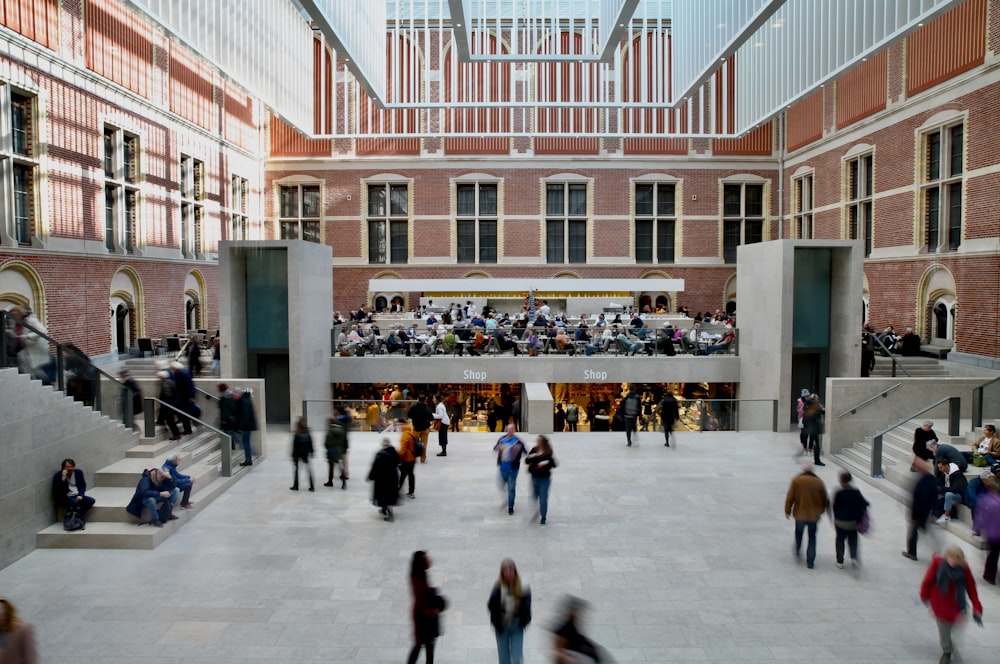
column 60, row 374
column 206, row 393
column 977, row 403
column 853, row 409
column 954, row 410
column 149, row 426
column 892, row 357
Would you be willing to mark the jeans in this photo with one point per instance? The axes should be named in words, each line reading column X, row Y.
column 950, row 498
column 510, row 479
column 541, row 493
column 571, row 425
column 510, row 644
column 810, row 527
column 150, row 504
column 247, row 450
column 630, row 427
column 851, row 536
column 944, row 635
column 185, row 490
column 406, row 471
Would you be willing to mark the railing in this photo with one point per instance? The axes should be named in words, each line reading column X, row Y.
column 987, row 394
column 892, row 357
column 954, row 410
column 884, row 393
column 225, row 441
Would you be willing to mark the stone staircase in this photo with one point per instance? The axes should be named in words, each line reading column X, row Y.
column 109, row 526
column 898, row 480
column 917, row 367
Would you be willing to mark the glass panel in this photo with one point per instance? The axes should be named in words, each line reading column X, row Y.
column 467, row 241
column 957, row 138
column 488, row 200
column 554, row 194
column 852, row 223
column 22, row 203
column 129, row 229
column 19, row 124
column 109, row 153
column 665, row 200
column 932, row 204
column 644, row 240
column 466, row 200
column 753, row 231
column 755, row 200
column 852, row 180
column 665, row 240
column 867, row 161
column 554, row 242
column 398, row 249
column 376, row 241
column 289, row 230
column 398, row 203
column 577, row 200
column 577, row 241
column 186, row 189
column 731, row 199
column 934, row 156
column 311, row 231
column 809, row 193
column 289, row 202
column 643, row 200
column 310, row 202
column 954, row 215
column 807, row 227
column 866, row 215
column 488, row 241
column 131, row 148
column 376, row 201
column 730, row 240
column 109, row 218
column 185, row 225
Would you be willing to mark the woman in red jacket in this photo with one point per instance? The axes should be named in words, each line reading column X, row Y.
column 947, row 581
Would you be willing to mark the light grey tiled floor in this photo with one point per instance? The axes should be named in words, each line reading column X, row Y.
column 684, row 554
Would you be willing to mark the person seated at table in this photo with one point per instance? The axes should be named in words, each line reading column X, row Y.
column 664, row 343
column 563, row 343
column 638, row 326
column 582, row 334
column 431, row 342
column 602, row 343
column 431, row 319
column 723, row 344
column 549, row 341
column 393, row 344
column 477, row 321
column 534, row 344
column 479, row 342
column 69, row 489
column 600, row 322
column 626, row 345
column 450, row 342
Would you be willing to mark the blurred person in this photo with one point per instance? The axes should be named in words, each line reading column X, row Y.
column 17, row 637
column 569, row 643
column 168, row 397
column 669, row 414
column 849, row 507
column 509, row 449
column 407, row 459
column 336, row 445
column 384, row 476
column 947, row 582
column 184, row 396
column 510, row 613
column 986, row 522
column 69, row 489
column 806, row 500
column 800, row 408
column 572, row 416
column 302, row 450
column 131, row 396
column 949, row 453
column 630, row 408
column 540, row 464
column 246, row 420
column 427, row 607
column 601, row 421
column 812, row 422
column 922, row 436
column 421, row 417
column 442, row 422
column 922, row 503
column 194, row 355
column 558, row 418
column 184, row 483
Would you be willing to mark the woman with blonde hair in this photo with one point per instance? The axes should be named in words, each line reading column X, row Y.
column 510, row 613
column 17, row 637
column 988, row 445
column 947, row 582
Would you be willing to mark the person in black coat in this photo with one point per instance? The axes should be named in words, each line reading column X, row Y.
column 922, row 437
column 246, row 423
column 952, row 487
column 925, row 497
column 385, row 478
column 69, row 489
column 152, row 492
column 302, row 450
column 131, row 395
column 669, row 414
column 849, row 506
column 427, row 607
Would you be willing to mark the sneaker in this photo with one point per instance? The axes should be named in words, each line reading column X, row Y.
column 510, row 511
column 542, row 522
column 819, row 463
column 944, row 518
column 327, row 483
column 840, row 565
column 410, row 496
column 442, row 454
column 907, row 554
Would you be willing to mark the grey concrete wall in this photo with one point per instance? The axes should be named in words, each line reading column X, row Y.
column 540, row 369
column 232, row 309
column 843, row 394
column 536, row 409
column 40, row 428
column 310, row 301
column 846, row 295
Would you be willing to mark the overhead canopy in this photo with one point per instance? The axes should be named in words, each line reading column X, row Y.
column 515, row 286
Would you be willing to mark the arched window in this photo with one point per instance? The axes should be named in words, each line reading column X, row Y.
column 940, row 321
column 381, row 303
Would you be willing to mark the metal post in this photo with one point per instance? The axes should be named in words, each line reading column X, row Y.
column 149, row 418
column 227, row 455
column 977, row 407
column 893, row 365
column 305, row 411
column 128, row 417
column 97, row 394
column 876, row 469
column 954, row 412
column 774, row 416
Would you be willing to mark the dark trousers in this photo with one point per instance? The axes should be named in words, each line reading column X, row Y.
column 571, row 425
column 804, row 439
column 630, row 427
column 333, row 463
column 810, row 528
column 415, row 652
column 406, row 471
column 911, row 538
column 295, row 478
column 82, row 504
column 443, row 437
column 990, row 571
column 169, row 418
column 851, row 536
column 185, row 492
column 815, row 446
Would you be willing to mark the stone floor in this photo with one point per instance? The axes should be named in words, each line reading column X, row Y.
column 683, row 553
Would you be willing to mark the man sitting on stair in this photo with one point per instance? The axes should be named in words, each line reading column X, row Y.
column 155, row 492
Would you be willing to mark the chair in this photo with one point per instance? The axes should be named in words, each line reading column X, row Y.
column 173, row 344
column 146, row 346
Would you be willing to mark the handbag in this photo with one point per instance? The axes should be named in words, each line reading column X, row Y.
column 865, row 523
column 979, row 460
column 74, row 521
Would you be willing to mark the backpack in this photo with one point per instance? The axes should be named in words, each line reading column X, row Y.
column 336, row 440
column 631, row 405
column 74, row 521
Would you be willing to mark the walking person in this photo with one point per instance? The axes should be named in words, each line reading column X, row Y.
column 570, row 645
column 17, row 636
column 408, row 455
column 302, row 450
column 669, row 414
column 510, row 613
column 540, row 464
column 947, row 582
column 443, row 421
column 247, row 423
column 922, row 503
column 849, row 508
column 986, row 522
column 509, row 449
column 812, row 423
column 427, row 607
column 631, row 407
column 800, row 409
column 572, row 416
column 336, row 448
column 421, row 418
column 384, row 476
column 806, row 500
